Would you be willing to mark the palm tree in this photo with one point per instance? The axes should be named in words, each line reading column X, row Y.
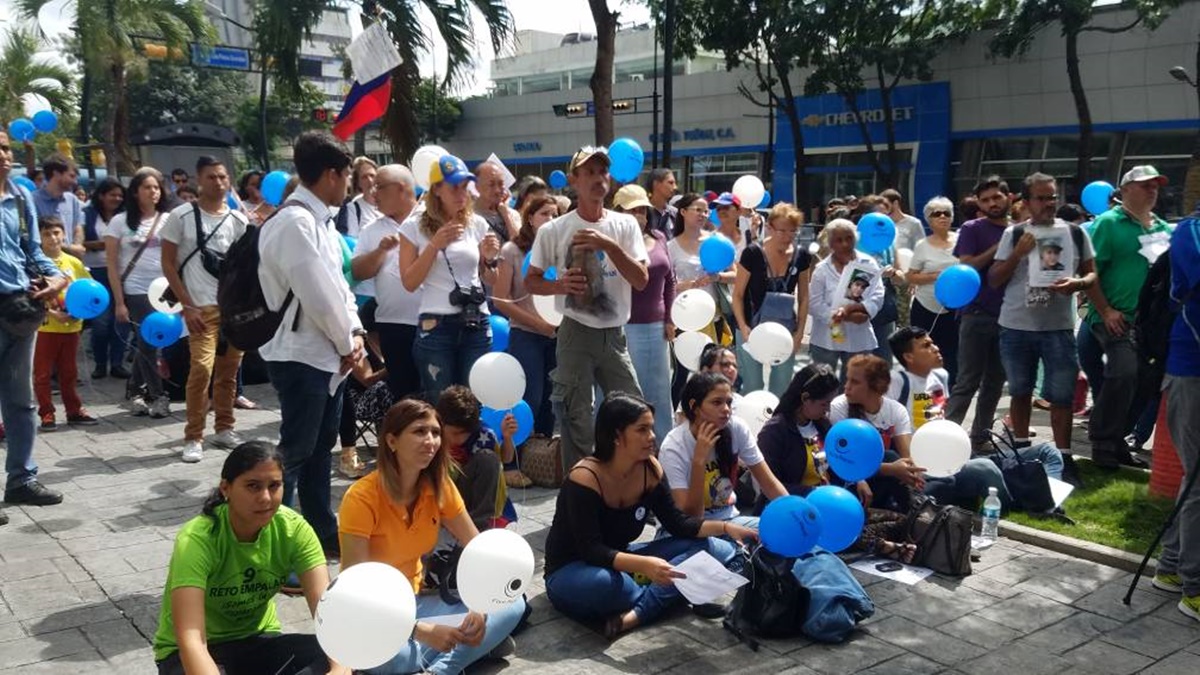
column 110, row 33
column 21, row 73
column 453, row 21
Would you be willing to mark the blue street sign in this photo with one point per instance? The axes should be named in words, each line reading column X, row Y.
column 231, row 58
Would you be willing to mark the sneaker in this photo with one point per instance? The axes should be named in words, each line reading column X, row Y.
column 226, row 440
column 160, row 408
column 505, row 649
column 33, row 494
column 48, row 423
column 1190, row 605
column 1170, row 583
column 193, row 451
column 137, row 405
column 82, row 419
column 709, row 610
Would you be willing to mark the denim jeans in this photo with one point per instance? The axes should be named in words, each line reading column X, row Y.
column 979, row 369
column 751, row 371
column 17, row 407
column 307, row 431
column 445, row 353
column 970, row 485
column 396, row 342
column 109, row 338
column 418, row 658
column 536, row 353
column 652, row 362
column 882, row 332
column 587, row 593
column 1022, row 350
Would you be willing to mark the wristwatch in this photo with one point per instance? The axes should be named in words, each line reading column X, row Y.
column 358, row 332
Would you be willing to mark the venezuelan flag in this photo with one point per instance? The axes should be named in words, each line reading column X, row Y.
column 365, row 104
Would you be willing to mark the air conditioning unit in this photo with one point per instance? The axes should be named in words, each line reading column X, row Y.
column 637, row 77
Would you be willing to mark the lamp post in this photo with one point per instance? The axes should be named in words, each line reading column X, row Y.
column 1191, row 183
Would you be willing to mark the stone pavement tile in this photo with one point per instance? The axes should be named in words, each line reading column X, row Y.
column 111, row 541
column 515, row 665
column 861, row 651
column 1107, row 600
column 738, row 659
column 1153, row 637
column 42, row 648
column 36, row 597
column 909, row 664
column 1016, row 661
column 996, row 555
column 140, row 662
column 1170, row 612
column 936, row 608
column 1054, row 588
column 71, row 569
column 20, row 571
column 1069, row 633
column 105, row 564
column 11, row 630
column 710, row 633
column 979, row 631
column 925, row 642
column 888, row 592
column 72, row 617
column 30, row 553
column 1179, row 663
column 1015, row 571
column 149, row 556
column 655, row 648
column 1098, row 656
column 64, row 665
column 992, row 587
column 138, row 582
column 1086, row 572
column 562, row 639
column 1026, row 613
column 113, row 638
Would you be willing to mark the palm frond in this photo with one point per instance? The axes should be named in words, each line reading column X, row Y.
column 280, row 30
column 453, row 23
column 499, row 21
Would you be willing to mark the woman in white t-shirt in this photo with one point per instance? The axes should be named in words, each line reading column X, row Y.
column 447, row 254
column 133, row 253
column 930, row 256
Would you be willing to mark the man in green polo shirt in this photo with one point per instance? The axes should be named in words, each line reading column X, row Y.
column 1121, row 238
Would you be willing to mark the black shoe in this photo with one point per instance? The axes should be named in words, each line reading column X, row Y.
column 119, row 372
column 505, row 649
column 99, row 373
column 1070, row 472
column 709, row 610
column 3, row 518
column 33, row 494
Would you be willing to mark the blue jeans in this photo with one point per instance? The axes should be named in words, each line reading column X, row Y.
column 652, row 362
column 1020, row 352
column 307, row 431
column 109, row 338
column 445, row 353
column 17, row 407
column 751, row 371
column 537, row 355
column 418, row 658
column 969, row 485
column 587, row 593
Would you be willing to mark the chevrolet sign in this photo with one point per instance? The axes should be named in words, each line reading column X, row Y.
column 899, row 114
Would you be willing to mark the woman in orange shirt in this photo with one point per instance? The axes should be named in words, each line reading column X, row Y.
column 393, row 515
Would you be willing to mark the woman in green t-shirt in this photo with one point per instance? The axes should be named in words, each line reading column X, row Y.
column 218, row 610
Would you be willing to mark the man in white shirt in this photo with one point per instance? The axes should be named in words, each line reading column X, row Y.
column 376, row 262
column 358, row 212
column 191, row 253
column 319, row 337
column 601, row 258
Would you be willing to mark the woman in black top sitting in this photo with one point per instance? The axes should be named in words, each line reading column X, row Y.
column 592, row 570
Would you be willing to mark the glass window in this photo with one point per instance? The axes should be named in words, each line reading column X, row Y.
column 1066, row 147
column 533, row 85
column 1159, row 143
column 1006, row 149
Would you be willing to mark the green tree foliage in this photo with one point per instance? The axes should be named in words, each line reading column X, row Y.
column 438, row 113
column 288, row 114
column 170, row 93
column 22, row 72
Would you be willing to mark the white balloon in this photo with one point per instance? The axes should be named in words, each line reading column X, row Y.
column 756, row 408
column 157, row 288
column 423, row 160
column 814, row 248
column 904, row 258
column 941, row 447
column 693, row 310
column 750, row 191
column 770, row 343
column 494, row 570
column 544, row 304
column 498, row 380
column 688, row 347
column 366, row 615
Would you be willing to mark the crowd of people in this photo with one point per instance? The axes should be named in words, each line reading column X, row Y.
column 387, row 333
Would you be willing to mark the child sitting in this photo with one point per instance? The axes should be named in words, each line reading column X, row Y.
column 478, row 455
column 920, row 384
column 58, row 338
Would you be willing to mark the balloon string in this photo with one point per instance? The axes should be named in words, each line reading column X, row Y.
column 935, row 319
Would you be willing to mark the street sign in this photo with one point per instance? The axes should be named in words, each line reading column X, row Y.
column 230, row 58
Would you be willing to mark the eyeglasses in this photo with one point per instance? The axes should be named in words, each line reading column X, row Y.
column 939, row 214
column 1045, row 198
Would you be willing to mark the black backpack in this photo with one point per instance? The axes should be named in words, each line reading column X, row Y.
column 1155, row 313
column 772, row 605
column 342, row 222
column 247, row 322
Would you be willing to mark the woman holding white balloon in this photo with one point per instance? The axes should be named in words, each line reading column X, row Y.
column 930, row 257
column 841, row 319
column 218, row 609
column 393, row 516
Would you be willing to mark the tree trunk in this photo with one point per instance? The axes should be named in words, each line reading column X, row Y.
column 602, row 77
column 893, row 172
column 852, row 103
column 792, row 112
column 1084, row 157
column 265, row 157
column 117, row 73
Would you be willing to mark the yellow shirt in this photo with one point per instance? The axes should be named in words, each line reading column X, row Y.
column 73, row 269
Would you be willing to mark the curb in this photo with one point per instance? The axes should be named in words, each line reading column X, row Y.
column 1078, row 548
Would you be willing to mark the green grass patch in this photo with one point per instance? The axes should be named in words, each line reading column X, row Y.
column 1114, row 509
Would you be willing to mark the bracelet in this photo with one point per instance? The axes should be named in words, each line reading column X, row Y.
column 725, row 527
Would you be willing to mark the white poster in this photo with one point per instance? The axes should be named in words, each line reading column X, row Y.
column 856, row 280
column 1053, row 257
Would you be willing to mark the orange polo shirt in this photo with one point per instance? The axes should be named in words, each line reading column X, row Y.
column 369, row 512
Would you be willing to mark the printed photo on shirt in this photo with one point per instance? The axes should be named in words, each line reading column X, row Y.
column 1052, row 258
column 855, row 282
column 595, row 300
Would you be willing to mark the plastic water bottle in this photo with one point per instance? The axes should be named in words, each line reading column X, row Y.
column 991, row 516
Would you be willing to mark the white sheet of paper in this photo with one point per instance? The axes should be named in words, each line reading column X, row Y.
column 373, row 53
column 1059, row 490
column 335, row 381
column 509, row 178
column 451, row 620
column 706, row 579
column 907, row 574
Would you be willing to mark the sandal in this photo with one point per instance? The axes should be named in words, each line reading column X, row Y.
column 513, row 478
column 900, row 552
column 350, row 466
column 243, row 403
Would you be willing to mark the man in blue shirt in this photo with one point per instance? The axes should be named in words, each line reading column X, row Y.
column 57, row 197
column 20, row 250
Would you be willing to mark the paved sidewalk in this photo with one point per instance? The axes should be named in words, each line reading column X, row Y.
column 80, row 585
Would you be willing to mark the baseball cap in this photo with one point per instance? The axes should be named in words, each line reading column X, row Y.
column 451, row 170
column 1142, row 173
column 631, row 197
column 586, row 153
column 727, row 199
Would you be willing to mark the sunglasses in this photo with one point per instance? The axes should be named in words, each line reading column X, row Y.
column 939, row 214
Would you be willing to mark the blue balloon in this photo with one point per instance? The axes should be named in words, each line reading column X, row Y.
column 524, row 415
column 558, row 179
column 45, row 121
column 161, row 330
column 766, row 200
column 231, row 200
column 790, row 526
column 842, row 516
column 551, row 274
column 627, row 159
column 717, row 253
column 854, row 449
column 21, row 130
column 957, row 286
column 714, row 218
column 525, row 264
column 492, row 418
column 418, row 190
column 876, row 233
column 351, row 242
column 499, row 332
column 86, row 299
column 1095, row 197
column 25, row 182
column 272, row 187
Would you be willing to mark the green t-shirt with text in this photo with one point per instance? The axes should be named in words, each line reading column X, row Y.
column 239, row 579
